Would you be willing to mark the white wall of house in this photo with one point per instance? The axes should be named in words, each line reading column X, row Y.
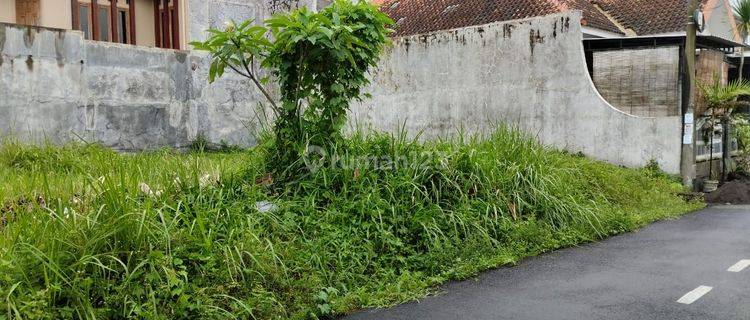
column 8, row 11
column 52, row 13
column 719, row 24
column 144, row 32
column 55, row 14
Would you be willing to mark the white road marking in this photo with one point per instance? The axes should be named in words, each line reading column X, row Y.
column 694, row 295
column 739, row 266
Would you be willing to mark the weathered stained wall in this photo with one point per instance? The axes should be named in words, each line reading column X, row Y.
column 206, row 14
column 55, row 85
column 529, row 73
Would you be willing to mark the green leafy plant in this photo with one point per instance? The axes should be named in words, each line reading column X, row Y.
column 320, row 61
column 720, row 100
column 741, row 131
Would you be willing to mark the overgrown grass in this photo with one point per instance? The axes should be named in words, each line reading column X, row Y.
column 89, row 233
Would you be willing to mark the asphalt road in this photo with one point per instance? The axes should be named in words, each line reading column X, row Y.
column 697, row 259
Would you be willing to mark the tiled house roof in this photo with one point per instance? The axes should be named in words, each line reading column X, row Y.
column 644, row 17
column 667, row 16
column 420, row 16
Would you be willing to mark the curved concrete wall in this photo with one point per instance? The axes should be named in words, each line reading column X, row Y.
column 528, row 73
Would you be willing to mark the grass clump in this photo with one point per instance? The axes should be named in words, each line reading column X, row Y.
column 183, row 236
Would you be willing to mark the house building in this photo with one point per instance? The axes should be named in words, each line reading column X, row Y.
column 153, row 23
column 169, row 24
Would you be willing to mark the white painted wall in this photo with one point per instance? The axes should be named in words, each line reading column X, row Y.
column 719, row 24
column 203, row 15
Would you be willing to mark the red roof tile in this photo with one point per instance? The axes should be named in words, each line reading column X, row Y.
column 420, row 16
column 646, row 17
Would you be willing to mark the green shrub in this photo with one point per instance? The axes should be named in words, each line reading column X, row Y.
column 171, row 236
column 320, row 61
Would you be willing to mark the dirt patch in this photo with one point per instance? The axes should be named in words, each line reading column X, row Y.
column 734, row 192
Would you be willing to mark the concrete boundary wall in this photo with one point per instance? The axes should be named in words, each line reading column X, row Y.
column 56, row 86
column 529, row 73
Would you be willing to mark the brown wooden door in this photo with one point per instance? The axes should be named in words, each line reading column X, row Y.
column 27, row 12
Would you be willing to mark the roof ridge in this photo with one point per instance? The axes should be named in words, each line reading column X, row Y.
column 612, row 18
column 560, row 5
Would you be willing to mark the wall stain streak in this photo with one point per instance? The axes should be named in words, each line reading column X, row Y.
column 534, row 39
column 28, row 37
column 60, row 48
column 508, row 30
column 554, row 30
column 30, row 63
column 2, row 39
column 180, row 56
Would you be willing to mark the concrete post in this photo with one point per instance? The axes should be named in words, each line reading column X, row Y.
column 687, row 160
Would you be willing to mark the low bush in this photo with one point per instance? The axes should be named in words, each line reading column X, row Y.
column 212, row 236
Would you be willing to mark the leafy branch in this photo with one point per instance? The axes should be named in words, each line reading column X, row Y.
column 320, row 61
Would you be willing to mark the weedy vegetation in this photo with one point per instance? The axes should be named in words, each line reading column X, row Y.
column 274, row 233
column 89, row 233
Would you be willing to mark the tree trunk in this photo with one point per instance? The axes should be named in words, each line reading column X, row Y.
column 742, row 62
column 726, row 156
column 711, row 145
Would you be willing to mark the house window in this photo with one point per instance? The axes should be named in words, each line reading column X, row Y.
column 85, row 20
column 123, row 26
column 105, row 20
column 168, row 23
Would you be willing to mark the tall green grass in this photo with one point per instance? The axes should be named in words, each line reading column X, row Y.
column 89, row 233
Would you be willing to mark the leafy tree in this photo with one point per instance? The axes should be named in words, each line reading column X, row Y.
column 320, row 61
column 742, row 17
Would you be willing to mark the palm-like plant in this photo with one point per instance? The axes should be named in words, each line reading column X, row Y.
column 742, row 18
column 721, row 99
